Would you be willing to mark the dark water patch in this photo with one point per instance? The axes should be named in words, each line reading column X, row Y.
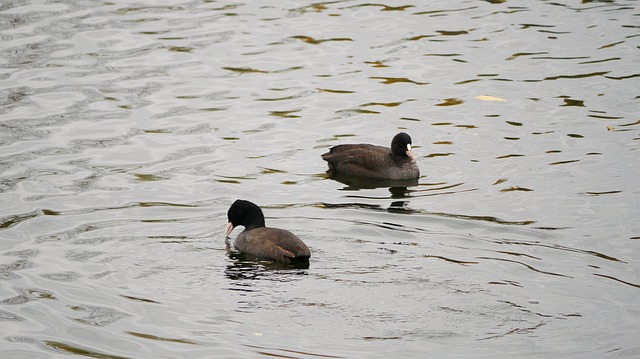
column 563, row 162
column 499, row 181
column 26, row 253
column 144, row 177
column 572, row 102
column 285, row 114
column 456, row 261
column 483, row 219
column 213, row 109
column 506, row 282
column 509, row 156
column 528, row 266
column 630, row 124
column 62, row 276
column 610, row 45
column 315, row 7
column 383, row 7
column 556, row 247
column 249, row 70
column 233, row 179
column 74, row 349
column 7, row 271
column 519, row 331
column 89, row 210
column 560, row 58
column 600, row 61
column 273, row 352
column 337, row 137
column 348, row 205
column 410, row 119
column 83, row 255
column 395, row 80
column 445, row 55
column 579, row 76
column 386, row 104
column 439, row 154
column 444, row 11
column 635, row 285
column 453, row 32
column 602, row 193
column 502, row 79
column 551, row 228
column 311, row 40
column 419, row 37
column 166, row 239
column 602, row 117
column 450, row 102
column 357, row 111
column 378, row 64
column 180, row 49
column 28, row 295
column 139, row 299
column 161, row 339
column 78, row 231
column 519, row 254
column 6, row 316
column 622, row 77
column 466, row 82
column 516, row 189
column 98, row 316
column 519, row 54
column 295, row 96
column 13, row 220
column 335, row 91
column 390, row 226
column 402, row 192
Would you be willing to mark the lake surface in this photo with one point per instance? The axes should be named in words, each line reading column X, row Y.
column 127, row 129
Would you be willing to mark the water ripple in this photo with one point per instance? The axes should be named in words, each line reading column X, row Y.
column 128, row 129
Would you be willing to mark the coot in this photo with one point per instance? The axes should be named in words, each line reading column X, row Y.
column 264, row 242
column 374, row 162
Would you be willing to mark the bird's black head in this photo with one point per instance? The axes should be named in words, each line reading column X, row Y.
column 401, row 145
column 244, row 213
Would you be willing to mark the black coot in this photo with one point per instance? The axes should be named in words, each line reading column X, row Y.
column 374, row 162
column 264, row 242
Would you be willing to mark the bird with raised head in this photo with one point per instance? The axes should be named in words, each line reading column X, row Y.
column 374, row 162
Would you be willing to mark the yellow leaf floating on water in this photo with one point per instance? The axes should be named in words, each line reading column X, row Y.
column 490, row 98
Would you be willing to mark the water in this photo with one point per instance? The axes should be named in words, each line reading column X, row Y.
column 127, row 129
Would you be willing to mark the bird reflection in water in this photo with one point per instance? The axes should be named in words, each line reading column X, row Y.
column 398, row 188
column 244, row 266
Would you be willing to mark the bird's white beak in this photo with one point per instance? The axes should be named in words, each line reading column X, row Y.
column 409, row 153
column 228, row 229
